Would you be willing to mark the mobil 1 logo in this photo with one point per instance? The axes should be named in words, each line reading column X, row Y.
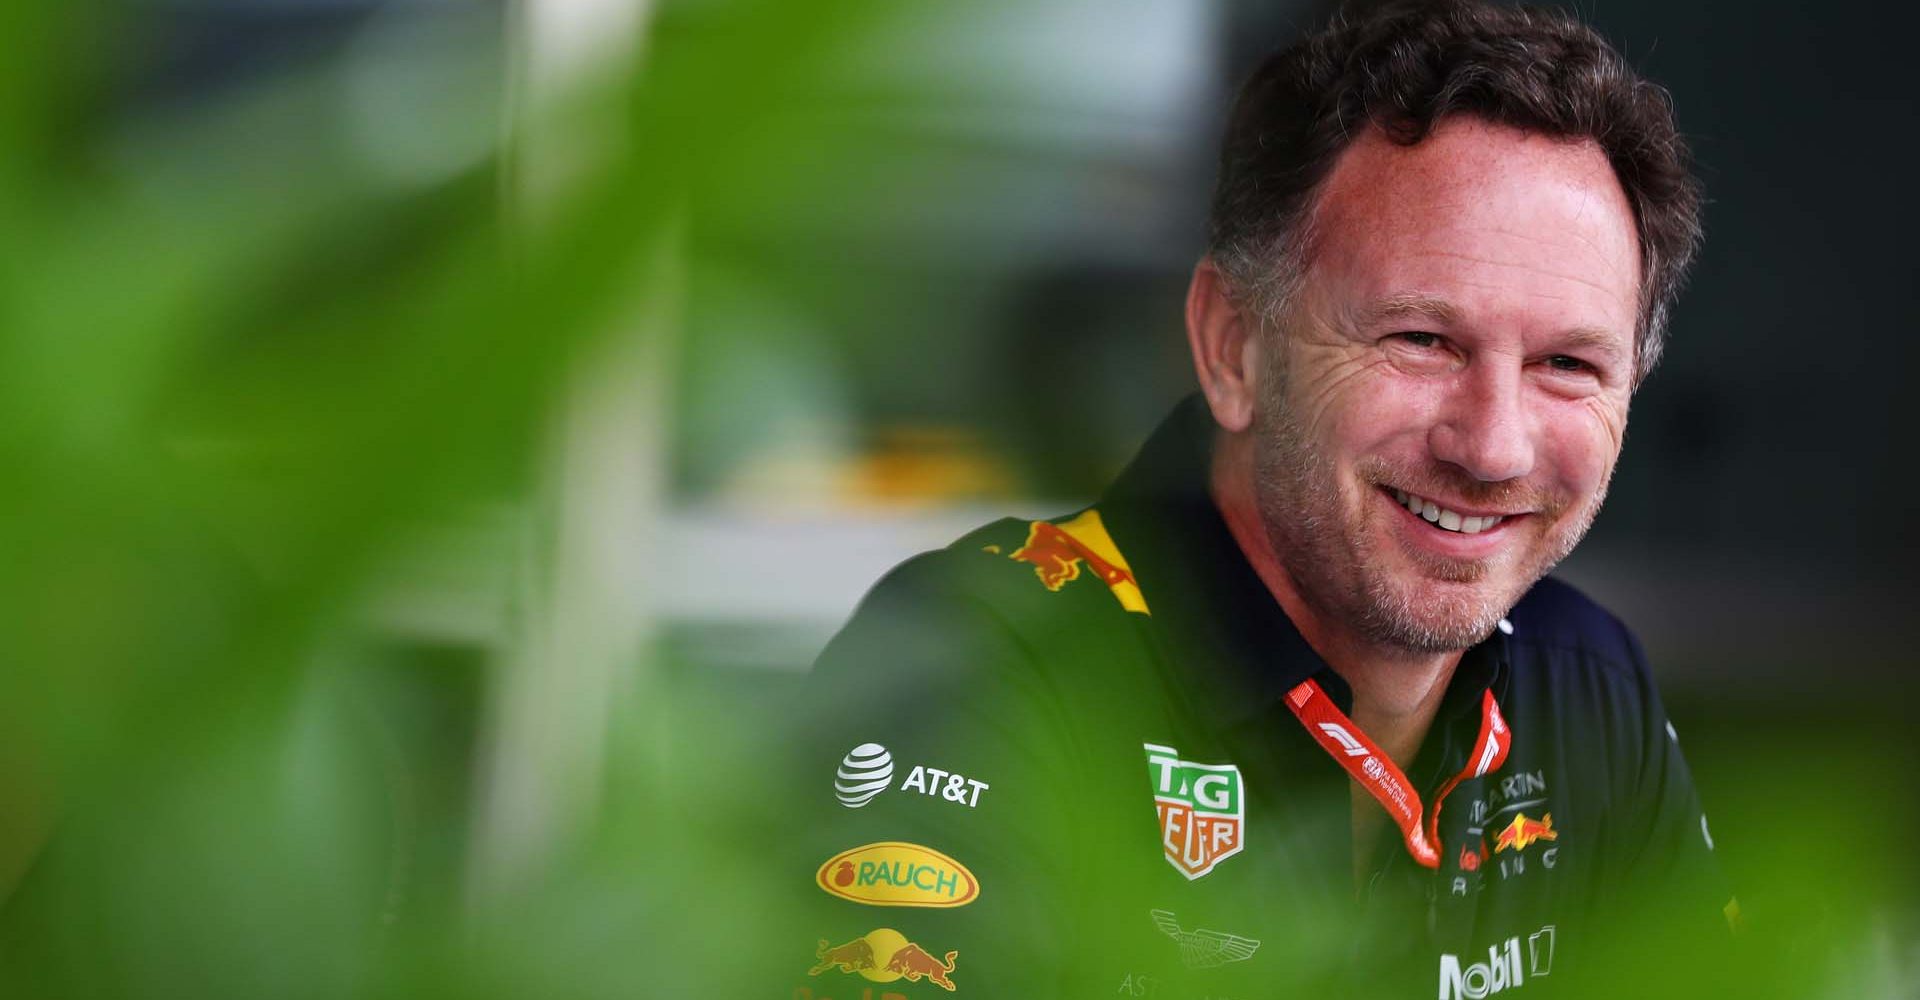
column 1465, row 979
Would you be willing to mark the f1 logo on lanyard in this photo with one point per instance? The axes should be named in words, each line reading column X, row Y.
column 1377, row 773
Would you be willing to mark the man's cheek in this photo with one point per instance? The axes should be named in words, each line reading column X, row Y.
column 1335, row 387
column 1582, row 447
column 1581, row 470
column 1606, row 421
column 1383, row 417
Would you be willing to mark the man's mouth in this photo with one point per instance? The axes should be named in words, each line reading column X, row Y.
column 1442, row 517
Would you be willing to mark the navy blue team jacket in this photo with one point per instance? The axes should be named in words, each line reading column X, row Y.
column 1053, row 759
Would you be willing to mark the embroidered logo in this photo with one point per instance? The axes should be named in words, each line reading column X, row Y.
column 1204, row 949
column 1201, row 808
column 1057, row 551
column 895, row 873
column 864, row 773
column 884, row 955
column 1523, row 831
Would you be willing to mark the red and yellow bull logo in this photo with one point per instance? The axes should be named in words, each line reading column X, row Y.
column 1523, row 831
column 1057, row 551
column 893, row 873
column 883, row 956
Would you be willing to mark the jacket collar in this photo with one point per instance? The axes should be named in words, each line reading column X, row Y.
column 1231, row 645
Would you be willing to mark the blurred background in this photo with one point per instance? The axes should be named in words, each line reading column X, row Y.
column 422, row 415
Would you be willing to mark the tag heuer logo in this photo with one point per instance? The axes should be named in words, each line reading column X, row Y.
column 1201, row 809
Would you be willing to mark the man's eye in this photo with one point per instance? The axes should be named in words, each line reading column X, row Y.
column 1420, row 339
column 1566, row 363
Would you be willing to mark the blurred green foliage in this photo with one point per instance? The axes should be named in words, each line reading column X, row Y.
column 236, row 375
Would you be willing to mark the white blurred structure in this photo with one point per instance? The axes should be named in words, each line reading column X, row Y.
column 582, row 598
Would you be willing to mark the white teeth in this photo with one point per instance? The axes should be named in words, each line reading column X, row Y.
column 1446, row 519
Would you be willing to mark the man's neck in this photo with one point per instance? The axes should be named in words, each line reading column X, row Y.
column 1396, row 692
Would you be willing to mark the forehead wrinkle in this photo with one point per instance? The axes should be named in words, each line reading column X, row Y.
column 1530, row 265
column 1390, row 207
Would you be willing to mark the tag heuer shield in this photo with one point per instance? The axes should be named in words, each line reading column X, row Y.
column 1201, row 807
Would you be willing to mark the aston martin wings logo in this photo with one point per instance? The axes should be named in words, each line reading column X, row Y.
column 1205, row 949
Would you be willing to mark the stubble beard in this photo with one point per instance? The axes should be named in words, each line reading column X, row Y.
column 1329, row 552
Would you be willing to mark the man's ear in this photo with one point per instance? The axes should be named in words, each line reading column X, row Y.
column 1225, row 350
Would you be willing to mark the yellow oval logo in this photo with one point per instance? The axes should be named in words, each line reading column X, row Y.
column 891, row 873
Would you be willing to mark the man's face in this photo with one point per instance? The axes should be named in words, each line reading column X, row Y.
column 1462, row 341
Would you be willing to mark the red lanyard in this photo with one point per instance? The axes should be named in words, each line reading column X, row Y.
column 1345, row 743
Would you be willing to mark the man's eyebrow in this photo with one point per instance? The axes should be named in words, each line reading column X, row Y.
column 1439, row 310
column 1409, row 304
column 1590, row 338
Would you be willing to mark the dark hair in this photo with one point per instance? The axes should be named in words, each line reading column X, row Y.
column 1402, row 67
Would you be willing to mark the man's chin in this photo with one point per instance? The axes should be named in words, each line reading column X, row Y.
column 1438, row 617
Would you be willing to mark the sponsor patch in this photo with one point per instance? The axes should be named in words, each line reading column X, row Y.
column 1540, row 952
column 1057, row 551
column 934, row 782
column 1525, row 790
column 1503, row 970
column 1201, row 809
column 1474, row 862
column 1522, row 832
column 868, row 769
column 1499, row 972
column 884, row 955
column 865, row 772
column 1204, row 949
column 894, row 873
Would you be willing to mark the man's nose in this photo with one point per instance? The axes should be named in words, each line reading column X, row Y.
column 1484, row 426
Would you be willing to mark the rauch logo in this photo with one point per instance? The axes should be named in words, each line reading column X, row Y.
column 893, row 873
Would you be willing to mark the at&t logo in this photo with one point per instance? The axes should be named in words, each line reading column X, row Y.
column 864, row 773
column 867, row 770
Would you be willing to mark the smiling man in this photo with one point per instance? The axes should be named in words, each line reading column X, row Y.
column 1295, row 704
